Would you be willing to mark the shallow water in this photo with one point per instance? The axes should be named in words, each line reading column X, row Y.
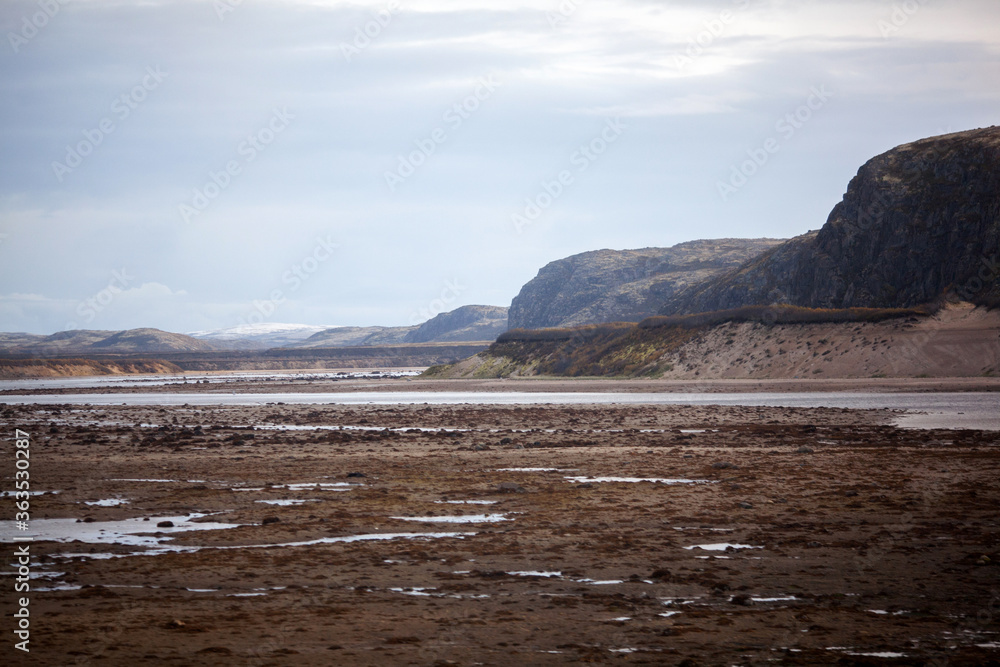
column 347, row 539
column 286, row 503
column 466, row 502
column 129, row 532
column 468, row 518
column 193, row 378
column 978, row 410
column 722, row 546
column 635, row 480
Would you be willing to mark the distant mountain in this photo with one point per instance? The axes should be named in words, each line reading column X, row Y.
column 259, row 336
column 150, row 340
column 468, row 323
column 84, row 341
column 465, row 324
column 623, row 285
column 355, row 336
column 9, row 340
column 916, row 222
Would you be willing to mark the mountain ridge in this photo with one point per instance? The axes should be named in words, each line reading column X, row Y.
column 463, row 324
column 910, row 252
column 94, row 341
column 623, row 285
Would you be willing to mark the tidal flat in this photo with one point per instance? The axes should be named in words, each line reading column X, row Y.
column 508, row 535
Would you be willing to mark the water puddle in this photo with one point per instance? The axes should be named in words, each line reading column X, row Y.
column 466, row 502
column 636, row 480
column 721, row 546
column 416, row 592
column 873, row 654
column 316, row 486
column 129, row 532
column 343, row 427
column 347, row 539
column 58, row 587
column 421, row 592
column 468, row 518
column 109, row 502
column 529, row 573
column 536, row 469
column 6, row 494
column 34, row 574
column 287, row 503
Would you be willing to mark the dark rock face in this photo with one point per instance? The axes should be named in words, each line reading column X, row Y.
column 625, row 285
column 468, row 323
column 916, row 223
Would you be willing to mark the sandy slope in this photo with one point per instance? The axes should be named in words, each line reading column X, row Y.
column 46, row 368
column 960, row 341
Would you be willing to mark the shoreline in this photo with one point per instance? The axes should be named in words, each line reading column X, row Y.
column 282, row 384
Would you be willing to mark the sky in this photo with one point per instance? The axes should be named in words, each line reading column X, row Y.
column 192, row 165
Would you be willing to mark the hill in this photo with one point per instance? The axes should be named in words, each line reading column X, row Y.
column 85, row 341
column 918, row 227
column 258, row 336
column 917, row 222
column 354, row 337
column 623, row 285
column 960, row 340
column 465, row 324
column 468, row 323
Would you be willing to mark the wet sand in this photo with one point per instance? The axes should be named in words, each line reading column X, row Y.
column 864, row 543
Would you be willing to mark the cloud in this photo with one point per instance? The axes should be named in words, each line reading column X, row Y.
column 699, row 88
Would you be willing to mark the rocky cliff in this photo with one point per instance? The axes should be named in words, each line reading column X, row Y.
column 916, row 223
column 623, row 285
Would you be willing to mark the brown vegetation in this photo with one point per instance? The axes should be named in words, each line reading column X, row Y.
column 12, row 369
column 785, row 314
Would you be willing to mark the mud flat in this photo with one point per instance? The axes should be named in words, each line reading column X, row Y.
column 507, row 535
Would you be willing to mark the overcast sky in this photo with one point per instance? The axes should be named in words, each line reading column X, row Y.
column 192, row 165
